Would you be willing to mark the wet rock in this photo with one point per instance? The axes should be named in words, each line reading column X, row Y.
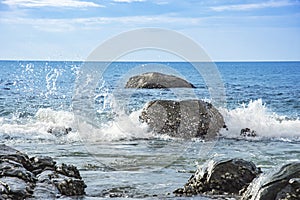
column 12, row 154
column 155, row 80
column 12, row 169
column 280, row 185
column 68, row 170
column 22, row 177
column 69, row 186
column 40, row 164
column 59, row 131
column 225, row 177
column 46, row 185
column 125, row 192
column 185, row 119
column 118, row 192
column 15, row 188
column 57, row 184
column 247, row 132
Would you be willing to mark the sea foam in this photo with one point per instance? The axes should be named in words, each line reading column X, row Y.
column 256, row 116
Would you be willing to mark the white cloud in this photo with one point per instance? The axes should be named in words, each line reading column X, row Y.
column 242, row 7
column 51, row 3
column 128, row 1
column 162, row 2
column 65, row 25
column 169, row 20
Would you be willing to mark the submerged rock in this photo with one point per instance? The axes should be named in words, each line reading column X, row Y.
column 185, row 119
column 22, row 177
column 281, row 185
column 247, row 132
column 59, row 131
column 155, row 80
column 225, row 177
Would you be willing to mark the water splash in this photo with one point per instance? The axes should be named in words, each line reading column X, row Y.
column 51, row 79
column 256, row 116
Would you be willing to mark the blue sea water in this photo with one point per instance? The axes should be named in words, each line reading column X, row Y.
column 115, row 152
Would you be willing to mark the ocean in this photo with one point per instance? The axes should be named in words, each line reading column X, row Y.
column 115, row 152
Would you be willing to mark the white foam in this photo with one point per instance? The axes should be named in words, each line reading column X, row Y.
column 123, row 127
column 258, row 117
column 56, row 118
column 39, row 126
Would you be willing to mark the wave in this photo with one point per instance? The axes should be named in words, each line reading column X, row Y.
column 123, row 126
column 48, row 124
column 256, row 116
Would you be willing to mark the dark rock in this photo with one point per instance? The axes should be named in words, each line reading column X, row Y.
column 15, row 188
column 121, row 192
column 116, row 193
column 70, row 187
column 58, row 184
column 12, row 169
column 59, row 131
column 226, row 177
column 281, row 185
column 46, row 191
column 22, row 177
column 155, row 80
column 185, row 119
column 39, row 164
column 12, row 154
column 68, row 170
column 247, row 132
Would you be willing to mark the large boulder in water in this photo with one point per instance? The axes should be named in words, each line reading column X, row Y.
column 185, row 119
column 22, row 177
column 281, row 185
column 225, row 177
column 155, row 80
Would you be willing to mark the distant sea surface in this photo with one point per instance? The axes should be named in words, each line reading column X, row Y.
column 38, row 96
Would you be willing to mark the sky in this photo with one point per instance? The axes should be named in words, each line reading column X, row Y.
column 228, row 30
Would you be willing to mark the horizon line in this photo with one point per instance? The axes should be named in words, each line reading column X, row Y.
column 58, row 60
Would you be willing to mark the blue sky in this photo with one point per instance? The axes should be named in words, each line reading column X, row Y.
column 228, row 30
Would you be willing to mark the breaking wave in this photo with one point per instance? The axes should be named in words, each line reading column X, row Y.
column 256, row 116
column 49, row 124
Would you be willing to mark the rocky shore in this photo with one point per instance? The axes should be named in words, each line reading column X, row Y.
column 281, row 184
column 222, row 179
column 23, row 177
column 240, row 179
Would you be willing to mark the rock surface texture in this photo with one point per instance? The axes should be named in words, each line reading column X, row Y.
column 22, row 177
column 154, row 80
column 247, row 132
column 226, row 177
column 185, row 119
column 281, row 185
